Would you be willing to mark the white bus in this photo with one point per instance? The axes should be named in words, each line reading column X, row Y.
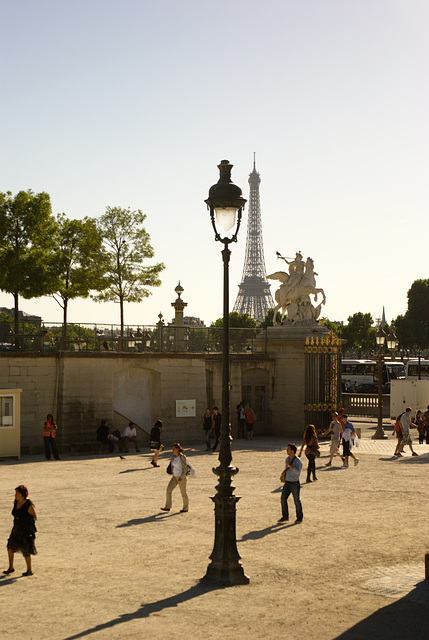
column 412, row 369
column 364, row 373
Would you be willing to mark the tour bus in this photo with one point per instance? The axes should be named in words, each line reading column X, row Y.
column 412, row 369
column 365, row 373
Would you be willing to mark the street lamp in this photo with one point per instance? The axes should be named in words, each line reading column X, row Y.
column 225, row 203
column 380, row 338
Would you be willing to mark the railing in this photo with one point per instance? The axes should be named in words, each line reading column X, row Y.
column 49, row 337
column 365, row 404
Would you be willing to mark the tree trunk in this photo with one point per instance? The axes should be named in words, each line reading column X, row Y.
column 121, row 311
column 64, row 336
column 16, row 321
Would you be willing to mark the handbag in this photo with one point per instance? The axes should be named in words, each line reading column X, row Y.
column 316, row 452
column 169, row 469
column 283, row 476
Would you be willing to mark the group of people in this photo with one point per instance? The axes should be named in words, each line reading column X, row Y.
column 402, row 430
column 341, row 430
column 122, row 440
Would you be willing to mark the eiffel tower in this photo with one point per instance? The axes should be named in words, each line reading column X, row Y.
column 254, row 296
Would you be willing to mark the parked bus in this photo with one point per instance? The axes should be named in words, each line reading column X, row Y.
column 412, row 369
column 365, row 374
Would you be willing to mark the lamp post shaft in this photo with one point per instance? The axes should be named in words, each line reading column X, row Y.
column 225, row 566
column 379, row 434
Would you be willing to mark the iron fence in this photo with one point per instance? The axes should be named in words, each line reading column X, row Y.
column 82, row 337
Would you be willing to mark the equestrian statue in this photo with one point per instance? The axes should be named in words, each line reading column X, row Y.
column 293, row 295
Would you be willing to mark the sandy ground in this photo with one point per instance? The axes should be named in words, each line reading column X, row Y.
column 110, row 564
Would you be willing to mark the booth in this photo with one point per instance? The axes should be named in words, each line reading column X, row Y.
column 10, row 423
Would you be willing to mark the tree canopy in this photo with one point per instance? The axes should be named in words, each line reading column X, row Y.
column 127, row 245
column 412, row 328
column 77, row 261
column 26, row 229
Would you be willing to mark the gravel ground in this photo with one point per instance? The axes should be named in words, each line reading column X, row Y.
column 110, row 564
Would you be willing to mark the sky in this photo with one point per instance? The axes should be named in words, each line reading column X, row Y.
column 134, row 103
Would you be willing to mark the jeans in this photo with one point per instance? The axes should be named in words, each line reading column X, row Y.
column 241, row 427
column 207, row 432
column 291, row 488
column 49, row 441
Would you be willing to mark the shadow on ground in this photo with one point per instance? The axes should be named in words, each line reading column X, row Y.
column 150, row 608
column 406, row 619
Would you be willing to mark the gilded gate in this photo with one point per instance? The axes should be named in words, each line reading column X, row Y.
column 322, row 379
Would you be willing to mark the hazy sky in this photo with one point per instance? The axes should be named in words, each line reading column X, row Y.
column 133, row 103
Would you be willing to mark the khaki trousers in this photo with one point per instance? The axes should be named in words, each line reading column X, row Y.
column 182, row 486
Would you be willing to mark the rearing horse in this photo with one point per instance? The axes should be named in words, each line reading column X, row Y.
column 295, row 291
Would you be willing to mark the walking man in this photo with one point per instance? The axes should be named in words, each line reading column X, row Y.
column 292, row 485
column 405, row 428
column 216, row 422
column 335, row 429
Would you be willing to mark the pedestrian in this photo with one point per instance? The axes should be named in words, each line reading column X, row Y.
column 216, row 426
column 207, row 425
column 49, row 434
column 349, row 436
column 398, row 432
column 406, row 423
column 421, row 428
column 335, row 429
column 426, row 420
column 241, row 420
column 23, row 532
column 179, row 469
column 293, row 466
column 311, row 450
column 156, row 441
column 250, row 419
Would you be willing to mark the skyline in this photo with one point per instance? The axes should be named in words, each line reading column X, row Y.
column 136, row 103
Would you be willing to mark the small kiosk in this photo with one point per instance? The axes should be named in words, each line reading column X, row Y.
column 10, row 423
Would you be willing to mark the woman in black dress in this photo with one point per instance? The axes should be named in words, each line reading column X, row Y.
column 23, row 531
column 155, row 442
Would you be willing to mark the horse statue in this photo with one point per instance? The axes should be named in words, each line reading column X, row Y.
column 294, row 291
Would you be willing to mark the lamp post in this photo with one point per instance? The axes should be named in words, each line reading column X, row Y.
column 392, row 343
column 225, row 203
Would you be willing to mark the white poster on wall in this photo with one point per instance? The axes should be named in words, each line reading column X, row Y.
column 186, row 408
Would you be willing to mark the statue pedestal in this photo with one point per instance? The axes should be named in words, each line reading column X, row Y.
column 289, row 382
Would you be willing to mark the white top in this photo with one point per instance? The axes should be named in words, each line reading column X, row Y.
column 129, row 433
column 177, row 467
column 405, row 422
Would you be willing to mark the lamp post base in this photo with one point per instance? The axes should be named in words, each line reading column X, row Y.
column 379, row 434
column 225, row 566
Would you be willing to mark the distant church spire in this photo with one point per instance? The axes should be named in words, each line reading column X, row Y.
column 254, row 296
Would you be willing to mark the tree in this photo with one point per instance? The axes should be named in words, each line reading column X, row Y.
column 78, row 262
column 359, row 332
column 413, row 327
column 238, row 338
column 268, row 320
column 26, row 229
column 127, row 245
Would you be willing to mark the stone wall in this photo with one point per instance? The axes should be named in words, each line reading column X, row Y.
column 81, row 389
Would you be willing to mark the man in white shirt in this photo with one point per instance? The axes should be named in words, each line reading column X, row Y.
column 292, row 485
column 405, row 428
column 129, row 434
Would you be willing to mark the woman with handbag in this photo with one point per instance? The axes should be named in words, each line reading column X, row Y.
column 179, row 470
column 311, row 450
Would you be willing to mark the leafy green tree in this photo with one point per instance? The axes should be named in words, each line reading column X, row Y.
column 413, row 327
column 26, row 229
column 268, row 320
column 238, row 339
column 359, row 332
column 127, row 245
column 78, row 262
column 335, row 327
